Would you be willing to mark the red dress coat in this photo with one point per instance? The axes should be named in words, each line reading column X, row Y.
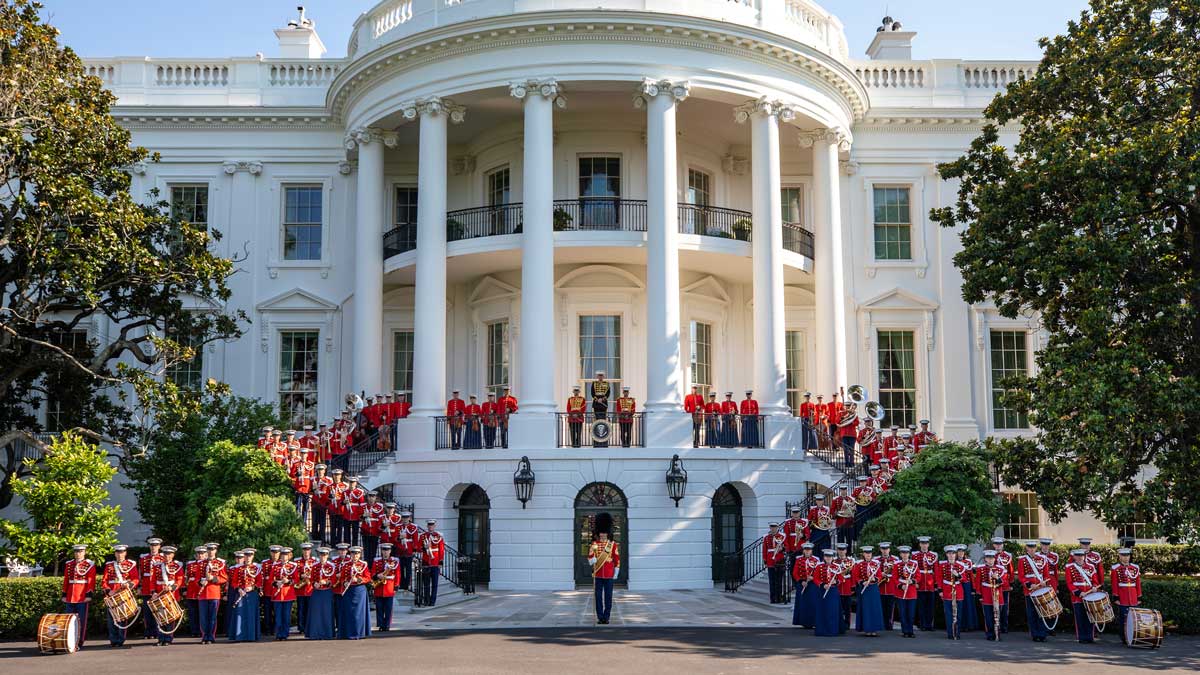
column 796, row 530
column 990, row 582
column 804, row 567
column 79, row 580
column 927, row 563
column 432, row 547
column 607, row 570
column 385, row 569
column 906, row 580
column 950, row 577
column 845, row 575
column 1126, row 583
column 774, row 549
column 112, row 581
column 283, row 579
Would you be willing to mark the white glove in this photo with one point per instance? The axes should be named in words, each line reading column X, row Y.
column 616, row 572
column 591, row 561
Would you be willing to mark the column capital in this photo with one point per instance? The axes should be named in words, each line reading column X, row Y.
column 435, row 105
column 232, row 167
column 650, row 88
column 766, row 107
column 365, row 135
column 548, row 88
column 833, row 135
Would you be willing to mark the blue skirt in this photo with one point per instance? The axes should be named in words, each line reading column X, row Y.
column 319, row 623
column 969, row 620
column 750, row 431
column 870, row 610
column 355, row 621
column 829, row 613
column 472, row 439
column 244, row 626
column 804, row 613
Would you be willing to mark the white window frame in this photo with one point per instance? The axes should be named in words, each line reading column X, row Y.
column 919, row 263
column 322, row 366
column 623, row 163
column 987, row 319
column 278, row 186
column 920, row 363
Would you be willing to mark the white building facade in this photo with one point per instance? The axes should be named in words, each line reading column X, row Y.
column 490, row 193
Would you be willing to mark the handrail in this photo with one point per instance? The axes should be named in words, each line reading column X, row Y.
column 461, row 575
column 600, row 214
column 715, row 221
column 570, row 436
column 798, row 239
column 484, row 221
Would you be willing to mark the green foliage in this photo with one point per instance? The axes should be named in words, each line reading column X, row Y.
column 228, row 470
column 1178, row 598
column 163, row 477
column 1091, row 223
column 23, row 601
column 562, row 220
column 64, row 498
column 1158, row 559
column 79, row 247
column 950, row 478
column 902, row 527
column 252, row 519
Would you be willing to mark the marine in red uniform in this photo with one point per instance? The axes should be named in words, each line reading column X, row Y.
column 456, row 410
column 210, row 577
column 729, row 429
column 192, row 590
column 887, row 589
column 926, row 582
column 267, row 586
column 118, row 574
column 372, row 524
column 868, row 442
column 169, row 578
column 1005, row 560
column 472, row 427
column 431, row 547
column 385, row 572
column 712, row 421
column 818, row 513
column 305, row 572
column 903, row 587
column 79, row 581
column 796, row 531
column 991, row 581
column 147, row 565
column 405, row 539
column 487, row 413
column 807, row 413
column 402, row 408
column 924, row 437
column 324, row 438
column 839, row 506
column 576, row 412
column 284, row 578
column 1092, row 558
column 775, row 556
column 802, row 571
column 321, row 487
column 1035, row 572
column 604, row 555
column 693, row 404
column 1126, row 579
column 845, row 565
column 949, row 576
column 1051, row 556
column 626, row 407
column 1081, row 580
column 508, row 407
column 748, row 409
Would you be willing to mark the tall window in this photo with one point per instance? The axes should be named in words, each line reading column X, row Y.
column 1139, row 528
column 190, row 203
column 599, row 191
column 702, row 350
column 794, row 350
column 1024, row 521
column 302, row 207
column 699, row 188
column 188, row 374
column 66, row 390
column 893, row 224
column 1009, row 358
column 298, row 352
column 897, row 377
column 497, row 357
column 402, row 361
column 406, row 205
column 499, row 190
column 789, row 200
column 600, row 349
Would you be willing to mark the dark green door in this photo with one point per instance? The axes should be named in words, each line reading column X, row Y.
column 474, row 531
column 593, row 500
column 726, row 528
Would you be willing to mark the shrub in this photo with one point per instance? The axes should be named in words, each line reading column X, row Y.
column 951, row 478
column 255, row 520
column 23, row 601
column 903, row 526
column 1178, row 598
column 229, row 470
column 1153, row 559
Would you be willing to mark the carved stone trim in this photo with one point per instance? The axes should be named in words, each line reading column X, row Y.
column 364, row 135
column 547, row 88
column 232, row 167
column 346, row 167
column 838, row 136
column 735, row 165
column 463, row 165
column 435, row 105
column 650, row 88
column 764, row 106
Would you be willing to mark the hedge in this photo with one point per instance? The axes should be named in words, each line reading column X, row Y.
column 1156, row 559
column 23, row 601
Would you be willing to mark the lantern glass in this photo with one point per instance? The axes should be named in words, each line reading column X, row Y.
column 523, row 481
column 676, row 480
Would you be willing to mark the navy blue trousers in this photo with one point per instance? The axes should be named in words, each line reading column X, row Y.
column 208, row 619
column 301, row 612
column 1085, row 632
column 604, row 593
column 283, row 619
column 952, row 630
column 193, row 614
column 908, row 612
column 383, row 612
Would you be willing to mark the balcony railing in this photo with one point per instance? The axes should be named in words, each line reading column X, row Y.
column 578, row 430
column 714, row 221
column 595, row 214
column 728, row 431
column 798, row 240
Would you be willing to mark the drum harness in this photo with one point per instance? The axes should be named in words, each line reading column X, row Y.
column 1041, row 582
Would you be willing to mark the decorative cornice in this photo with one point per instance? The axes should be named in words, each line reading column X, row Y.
column 709, row 36
column 435, row 105
column 766, row 107
column 547, row 88
column 463, row 165
column 221, row 118
column 362, row 136
column 650, row 88
column 232, row 167
column 849, row 168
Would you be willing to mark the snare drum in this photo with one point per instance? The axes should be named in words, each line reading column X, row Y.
column 1098, row 607
column 58, row 634
column 166, row 611
column 123, row 606
column 1045, row 601
column 1143, row 628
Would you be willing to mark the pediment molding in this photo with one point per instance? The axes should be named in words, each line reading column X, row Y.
column 296, row 300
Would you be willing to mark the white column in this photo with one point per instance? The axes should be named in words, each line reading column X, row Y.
column 429, row 320
column 830, row 285
column 664, row 367
column 536, row 380
column 367, row 340
column 770, row 357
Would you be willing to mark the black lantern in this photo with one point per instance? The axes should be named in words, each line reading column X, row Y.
column 523, row 480
column 676, row 479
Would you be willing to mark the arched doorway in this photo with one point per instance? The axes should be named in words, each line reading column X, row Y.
column 594, row 499
column 474, row 531
column 726, row 527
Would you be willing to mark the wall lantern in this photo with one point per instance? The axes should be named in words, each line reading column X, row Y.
column 676, row 480
column 523, row 479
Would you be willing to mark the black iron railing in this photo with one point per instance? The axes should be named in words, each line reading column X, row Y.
column 600, row 213
column 734, row 431
column 400, row 239
column 455, row 568
column 465, row 435
column 798, row 239
column 715, row 221
column 741, row 567
column 483, row 221
column 578, row 430
column 835, row 457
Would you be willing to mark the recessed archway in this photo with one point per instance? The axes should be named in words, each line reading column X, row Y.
column 593, row 500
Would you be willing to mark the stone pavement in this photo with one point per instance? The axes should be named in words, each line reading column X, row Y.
column 552, row 609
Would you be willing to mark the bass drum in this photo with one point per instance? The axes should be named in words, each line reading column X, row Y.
column 58, row 634
column 1144, row 628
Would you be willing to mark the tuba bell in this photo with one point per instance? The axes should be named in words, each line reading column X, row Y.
column 872, row 410
column 856, row 394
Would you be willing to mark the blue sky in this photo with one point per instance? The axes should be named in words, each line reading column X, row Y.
column 968, row 29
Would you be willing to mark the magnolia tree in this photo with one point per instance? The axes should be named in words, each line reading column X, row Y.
column 1091, row 223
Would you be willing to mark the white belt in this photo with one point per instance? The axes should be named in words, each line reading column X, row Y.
column 85, row 581
column 1127, row 585
column 1082, row 584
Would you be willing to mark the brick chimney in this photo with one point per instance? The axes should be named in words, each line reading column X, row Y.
column 299, row 39
column 892, row 42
